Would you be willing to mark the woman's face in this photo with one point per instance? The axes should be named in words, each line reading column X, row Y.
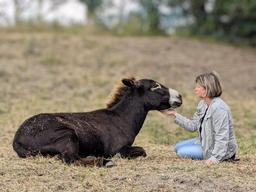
column 200, row 91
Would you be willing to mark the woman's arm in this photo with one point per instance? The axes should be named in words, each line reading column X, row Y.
column 221, row 129
column 188, row 124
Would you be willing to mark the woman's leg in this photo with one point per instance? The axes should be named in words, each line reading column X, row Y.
column 193, row 151
column 185, row 142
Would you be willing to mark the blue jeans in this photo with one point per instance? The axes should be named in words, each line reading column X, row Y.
column 189, row 149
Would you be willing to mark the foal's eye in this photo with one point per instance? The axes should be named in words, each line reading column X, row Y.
column 155, row 86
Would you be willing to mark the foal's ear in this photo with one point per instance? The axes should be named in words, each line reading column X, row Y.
column 131, row 83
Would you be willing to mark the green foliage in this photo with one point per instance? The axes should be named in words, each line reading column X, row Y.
column 145, row 22
column 92, row 5
column 151, row 10
column 229, row 20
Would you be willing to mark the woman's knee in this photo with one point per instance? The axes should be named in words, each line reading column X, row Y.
column 184, row 143
column 193, row 152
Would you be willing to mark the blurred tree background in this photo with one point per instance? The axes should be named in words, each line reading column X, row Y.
column 92, row 6
column 229, row 20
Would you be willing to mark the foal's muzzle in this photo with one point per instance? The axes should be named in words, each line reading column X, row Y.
column 175, row 98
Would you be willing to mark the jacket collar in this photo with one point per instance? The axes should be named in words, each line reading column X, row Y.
column 209, row 110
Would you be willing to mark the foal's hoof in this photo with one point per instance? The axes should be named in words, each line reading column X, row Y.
column 108, row 163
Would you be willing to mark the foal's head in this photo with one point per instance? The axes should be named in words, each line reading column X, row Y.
column 154, row 95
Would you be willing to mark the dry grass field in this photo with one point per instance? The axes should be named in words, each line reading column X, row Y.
column 58, row 72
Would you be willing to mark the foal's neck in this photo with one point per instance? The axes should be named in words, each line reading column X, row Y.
column 131, row 110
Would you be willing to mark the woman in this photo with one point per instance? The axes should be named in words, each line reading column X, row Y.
column 213, row 121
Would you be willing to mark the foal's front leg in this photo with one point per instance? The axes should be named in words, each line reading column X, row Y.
column 131, row 152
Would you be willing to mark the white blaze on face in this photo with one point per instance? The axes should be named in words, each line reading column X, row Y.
column 174, row 97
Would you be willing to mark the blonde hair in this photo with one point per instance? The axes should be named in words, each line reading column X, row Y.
column 211, row 82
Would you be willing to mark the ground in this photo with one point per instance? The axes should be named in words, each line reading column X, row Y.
column 58, row 72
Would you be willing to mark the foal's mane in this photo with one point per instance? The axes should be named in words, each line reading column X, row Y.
column 117, row 93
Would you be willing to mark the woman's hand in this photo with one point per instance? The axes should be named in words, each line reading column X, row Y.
column 169, row 112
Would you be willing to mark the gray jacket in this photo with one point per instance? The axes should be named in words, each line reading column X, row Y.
column 217, row 136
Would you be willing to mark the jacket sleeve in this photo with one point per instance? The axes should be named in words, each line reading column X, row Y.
column 221, row 134
column 190, row 124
